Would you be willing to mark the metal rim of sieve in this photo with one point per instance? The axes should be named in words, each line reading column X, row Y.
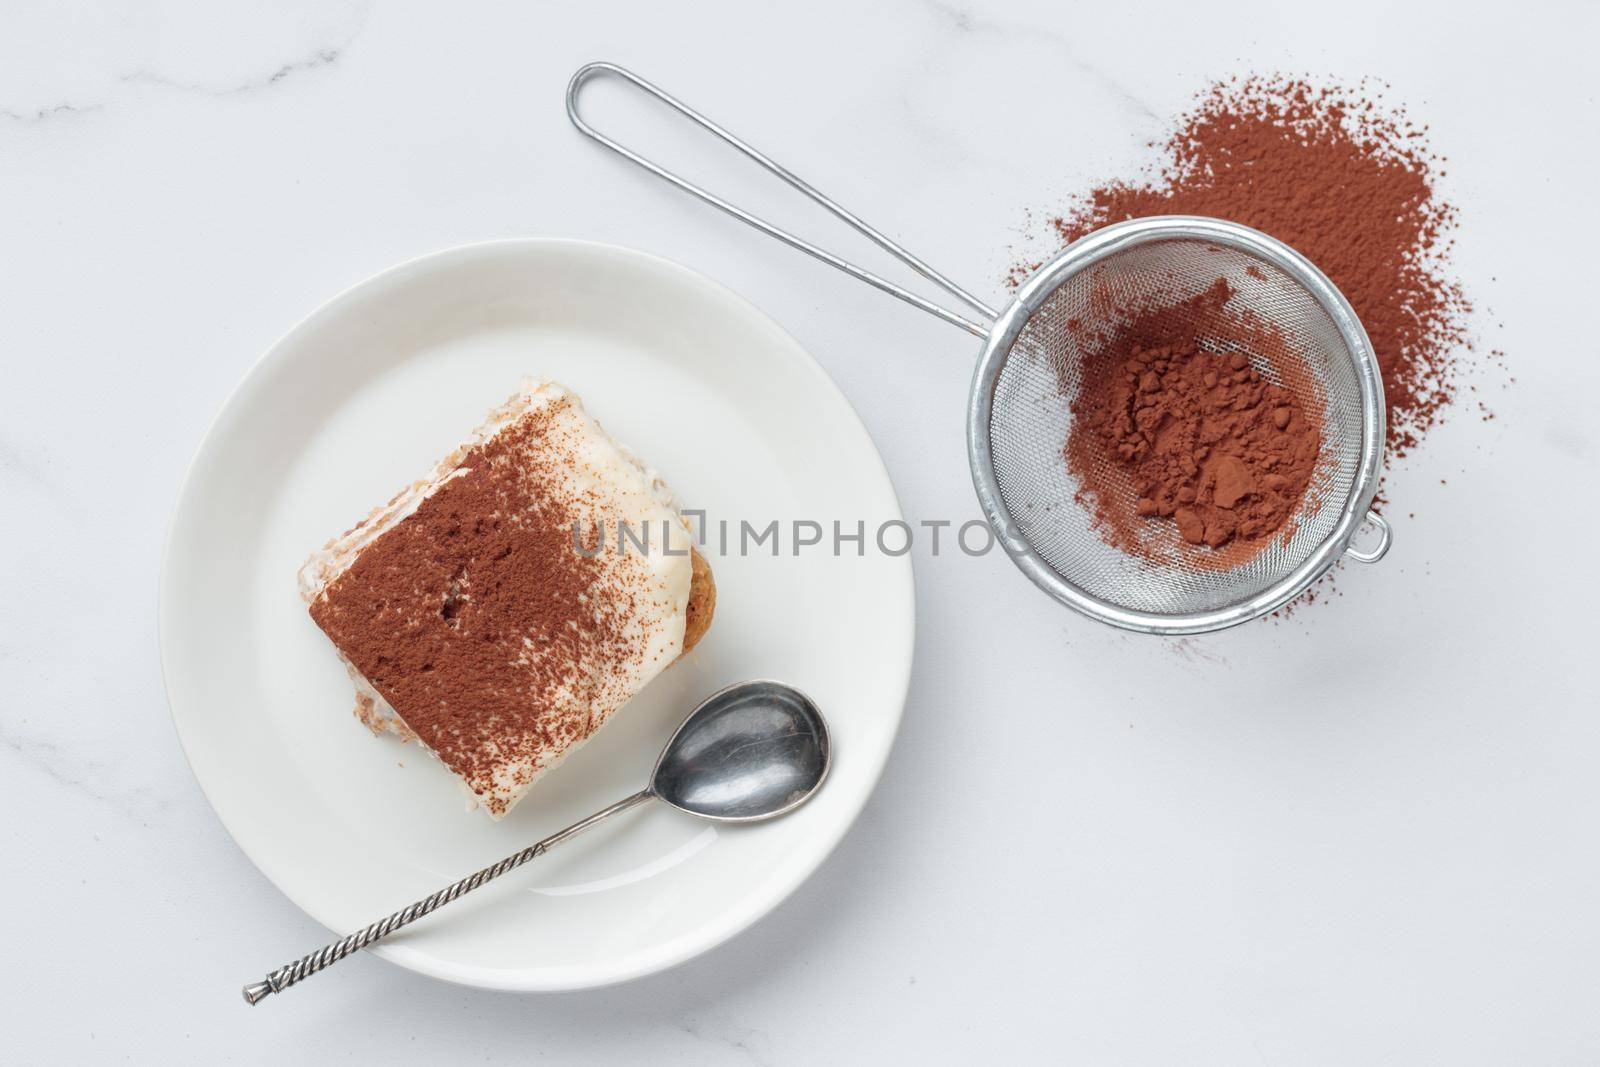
column 1001, row 330
column 1096, row 248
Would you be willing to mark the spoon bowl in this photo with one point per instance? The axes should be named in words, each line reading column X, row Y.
column 752, row 751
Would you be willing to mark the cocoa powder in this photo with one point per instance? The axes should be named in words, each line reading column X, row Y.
column 1209, row 415
column 1343, row 180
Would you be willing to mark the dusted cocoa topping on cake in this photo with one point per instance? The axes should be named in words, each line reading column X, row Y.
column 476, row 618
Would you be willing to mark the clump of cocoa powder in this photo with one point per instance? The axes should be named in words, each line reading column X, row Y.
column 1208, row 415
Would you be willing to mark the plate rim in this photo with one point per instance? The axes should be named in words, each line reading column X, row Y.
column 688, row 946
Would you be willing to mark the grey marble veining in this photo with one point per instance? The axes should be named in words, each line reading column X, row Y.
column 322, row 57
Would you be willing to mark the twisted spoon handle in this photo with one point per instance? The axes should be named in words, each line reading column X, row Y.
column 310, row 964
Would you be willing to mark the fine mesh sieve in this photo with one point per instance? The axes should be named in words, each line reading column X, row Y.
column 1020, row 407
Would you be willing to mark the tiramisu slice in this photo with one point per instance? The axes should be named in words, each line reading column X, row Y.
column 471, row 618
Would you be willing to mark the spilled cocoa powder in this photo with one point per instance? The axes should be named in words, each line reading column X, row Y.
column 1209, row 415
column 1344, row 180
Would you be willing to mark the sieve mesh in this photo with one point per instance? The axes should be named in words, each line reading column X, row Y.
column 1031, row 418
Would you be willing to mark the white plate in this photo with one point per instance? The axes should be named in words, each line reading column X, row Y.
column 363, row 397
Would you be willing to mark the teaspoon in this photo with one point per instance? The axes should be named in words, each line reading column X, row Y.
column 749, row 752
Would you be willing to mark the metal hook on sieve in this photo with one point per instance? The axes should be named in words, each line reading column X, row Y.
column 1377, row 551
column 589, row 71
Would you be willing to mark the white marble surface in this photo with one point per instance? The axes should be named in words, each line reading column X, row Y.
column 1363, row 835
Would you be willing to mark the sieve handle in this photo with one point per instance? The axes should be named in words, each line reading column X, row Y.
column 1377, row 551
column 585, row 73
